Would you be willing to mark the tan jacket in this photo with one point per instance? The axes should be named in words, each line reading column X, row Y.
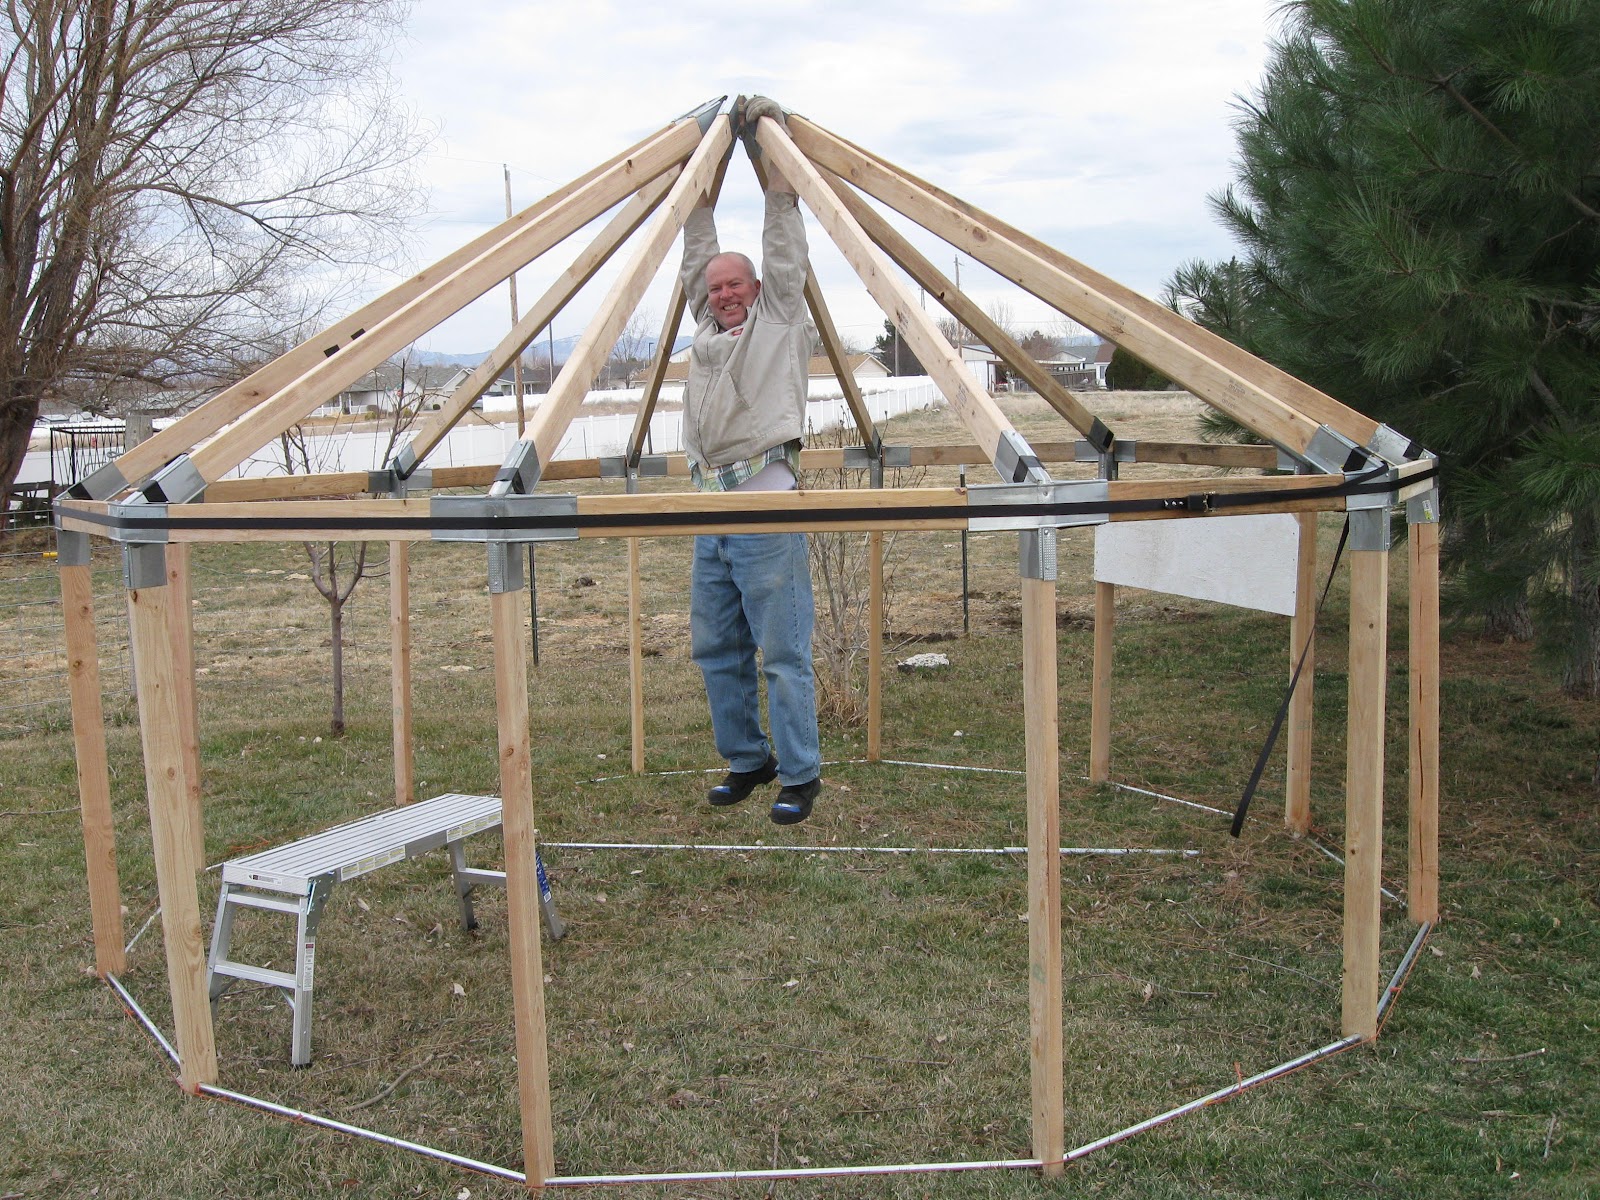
column 747, row 390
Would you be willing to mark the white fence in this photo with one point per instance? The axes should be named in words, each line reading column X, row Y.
column 485, row 444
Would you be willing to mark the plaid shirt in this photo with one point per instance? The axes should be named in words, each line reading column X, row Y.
column 726, row 479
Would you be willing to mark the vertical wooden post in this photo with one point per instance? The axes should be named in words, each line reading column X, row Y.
column 164, row 726
column 1040, row 703
column 1105, row 626
column 1363, row 838
column 405, row 762
column 94, row 776
column 180, row 612
column 1302, row 638
column 635, row 655
column 522, row 883
column 1424, row 783
column 875, row 646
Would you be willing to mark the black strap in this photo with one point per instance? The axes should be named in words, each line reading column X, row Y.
column 1283, row 709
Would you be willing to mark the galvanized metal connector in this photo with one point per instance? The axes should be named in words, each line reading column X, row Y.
column 144, row 565
column 520, row 472
column 1121, row 451
column 1330, row 451
column 505, row 568
column 1061, row 491
column 1369, row 529
column 72, row 548
column 1015, row 461
column 99, row 485
column 178, row 482
column 1394, row 447
column 1036, row 554
column 497, row 518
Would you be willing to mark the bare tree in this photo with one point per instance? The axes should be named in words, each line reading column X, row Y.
column 175, row 176
column 632, row 351
column 337, row 567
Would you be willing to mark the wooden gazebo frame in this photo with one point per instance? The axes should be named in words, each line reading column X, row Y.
column 169, row 492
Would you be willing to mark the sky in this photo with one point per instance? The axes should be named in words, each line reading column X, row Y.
column 1099, row 128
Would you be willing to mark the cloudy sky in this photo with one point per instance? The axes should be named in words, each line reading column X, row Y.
column 1100, row 128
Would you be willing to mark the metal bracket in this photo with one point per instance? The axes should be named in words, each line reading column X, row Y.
column 859, row 458
column 1330, row 451
column 705, row 113
column 613, row 467
column 489, row 514
column 1369, row 529
column 72, row 548
column 392, row 482
column 505, row 568
column 1394, row 447
column 178, row 482
column 1016, row 462
column 1061, row 491
column 897, row 457
column 652, row 466
column 1384, row 499
column 1292, row 462
column 520, row 472
column 138, row 510
column 1085, row 451
column 1423, row 508
column 99, row 485
column 144, row 565
column 405, row 461
column 1036, row 554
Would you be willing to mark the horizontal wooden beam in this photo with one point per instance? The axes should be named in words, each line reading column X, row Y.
column 892, row 508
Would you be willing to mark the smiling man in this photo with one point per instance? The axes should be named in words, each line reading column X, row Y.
column 743, row 416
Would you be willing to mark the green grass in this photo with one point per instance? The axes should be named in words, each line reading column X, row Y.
column 735, row 1010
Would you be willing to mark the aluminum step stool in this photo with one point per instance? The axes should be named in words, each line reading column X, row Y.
column 298, row 878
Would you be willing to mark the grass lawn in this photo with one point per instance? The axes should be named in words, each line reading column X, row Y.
column 752, row 1008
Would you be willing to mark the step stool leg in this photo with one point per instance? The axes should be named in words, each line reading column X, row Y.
column 547, row 905
column 305, row 966
column 221, row 944
column 458, row 864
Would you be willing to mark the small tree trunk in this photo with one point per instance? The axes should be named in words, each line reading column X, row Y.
column 336, row 623
column 16, row 427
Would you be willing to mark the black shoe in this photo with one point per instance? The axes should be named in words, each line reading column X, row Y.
column 736, row 785
column 793, row 804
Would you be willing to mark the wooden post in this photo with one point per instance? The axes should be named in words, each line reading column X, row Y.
column 94, row 777
column 1302, row 639
column 635, row 655
column 1105, row 627
column 1424, row 782
column 1044, row 870
column 180, row 611
column 522, row 883
column 875, row 646
column 405, row 763
column 1363, row 839
column 164, row 722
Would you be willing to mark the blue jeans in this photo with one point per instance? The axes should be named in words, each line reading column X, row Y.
column 753, row 590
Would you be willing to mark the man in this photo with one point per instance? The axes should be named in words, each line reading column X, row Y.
column 744, row 414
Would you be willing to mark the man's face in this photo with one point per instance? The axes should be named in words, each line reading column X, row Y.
column 730, row 290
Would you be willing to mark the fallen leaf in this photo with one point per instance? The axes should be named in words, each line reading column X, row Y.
column 363, row 905
column 458, row 989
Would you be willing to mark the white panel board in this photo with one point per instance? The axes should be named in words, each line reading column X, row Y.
column 1247, row 561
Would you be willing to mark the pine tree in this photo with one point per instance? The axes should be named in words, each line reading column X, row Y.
column 1419, row 206
column 892, row 351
